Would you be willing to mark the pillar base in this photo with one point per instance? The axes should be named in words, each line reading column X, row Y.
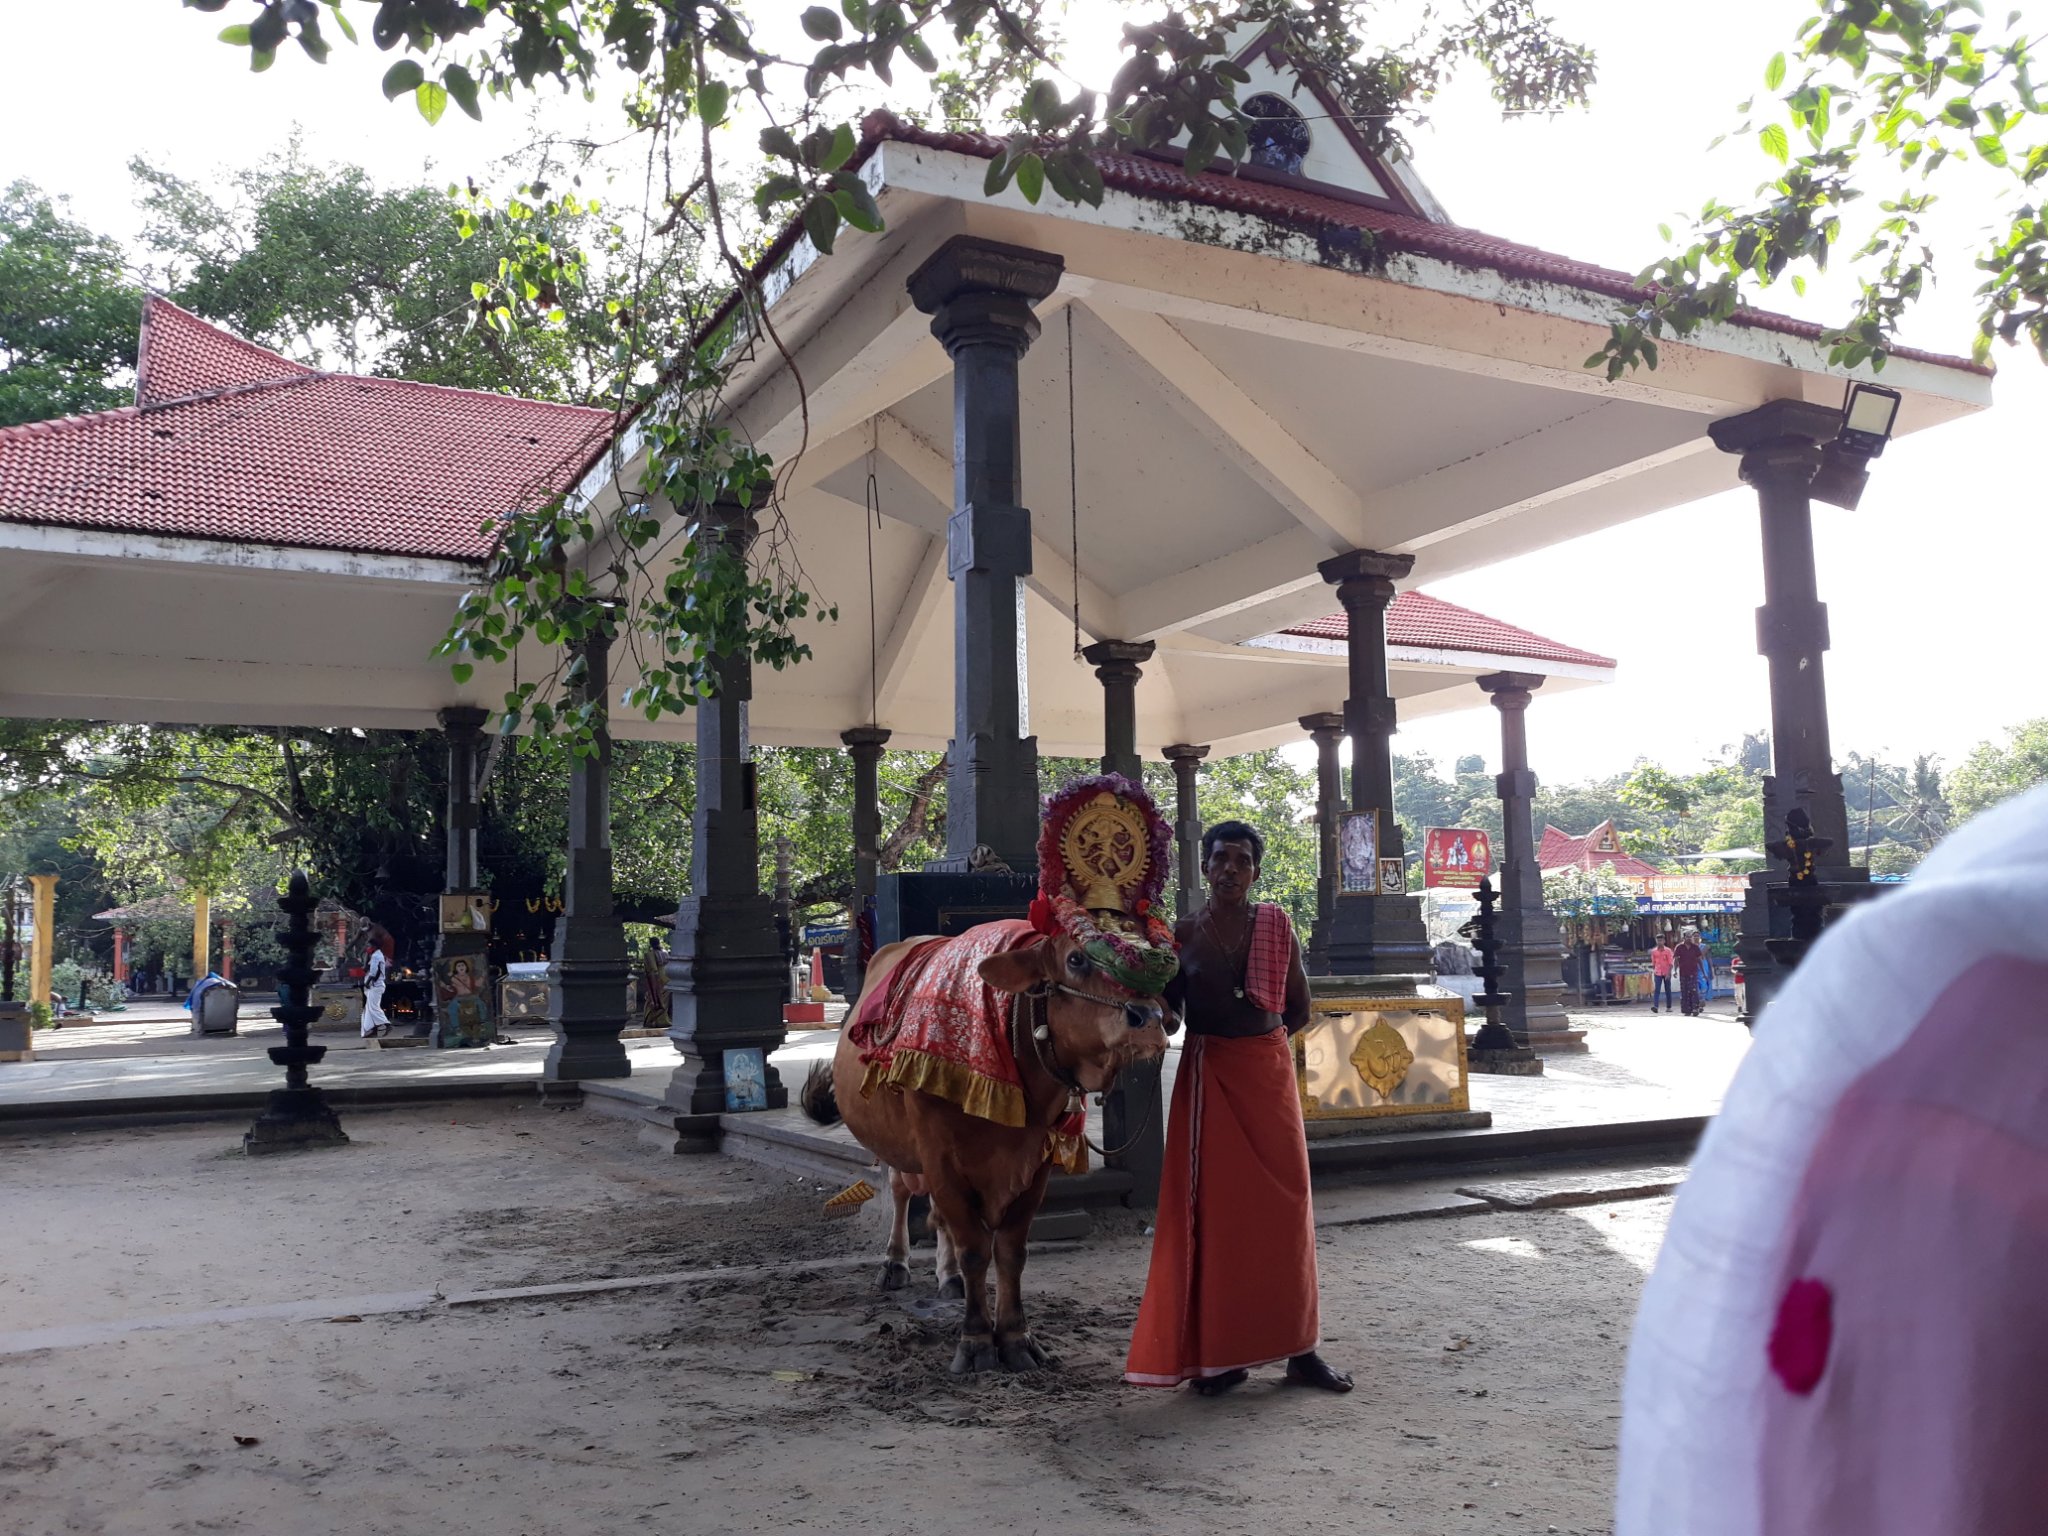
column 1375, row 936
column 294, row 1120
column 1508, row 1061
column 587, row 1000
column 726, row 987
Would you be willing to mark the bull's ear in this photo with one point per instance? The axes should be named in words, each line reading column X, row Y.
column 1016, row 970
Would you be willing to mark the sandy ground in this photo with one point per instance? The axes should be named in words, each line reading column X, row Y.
column 763, row 1397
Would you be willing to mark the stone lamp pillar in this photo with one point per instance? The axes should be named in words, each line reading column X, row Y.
column 1118, row 665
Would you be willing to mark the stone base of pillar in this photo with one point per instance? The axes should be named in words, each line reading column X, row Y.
column 1508, row 1061
column 293, row 1120
column 474, row 947
column 1376, row 936
column 1134, row 1128
column 17, row 1036
column 726, row 986
column 587, row 1000
column 1767, row 921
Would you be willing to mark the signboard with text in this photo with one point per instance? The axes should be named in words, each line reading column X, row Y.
column 1458, row 857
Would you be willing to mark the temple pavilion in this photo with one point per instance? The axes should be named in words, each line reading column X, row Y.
column 1214, row 433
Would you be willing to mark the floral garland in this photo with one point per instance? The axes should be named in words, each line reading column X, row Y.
column 1144, row 966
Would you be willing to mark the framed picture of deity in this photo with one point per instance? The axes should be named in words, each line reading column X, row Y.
column 462, row 1001
column 1393, row 877
column 1358, row 853
column 465, row 912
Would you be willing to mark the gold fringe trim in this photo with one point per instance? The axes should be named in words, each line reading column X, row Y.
column 984, row 1097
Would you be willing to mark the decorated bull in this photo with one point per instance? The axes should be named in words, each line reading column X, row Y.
column 971, row 1056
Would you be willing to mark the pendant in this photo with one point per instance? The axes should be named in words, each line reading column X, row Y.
column 1238, row 993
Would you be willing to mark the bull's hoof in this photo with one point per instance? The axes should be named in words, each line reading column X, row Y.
column 977, row 1353
column 953, row 1288
column 895, row 1276
column 1020, row 1353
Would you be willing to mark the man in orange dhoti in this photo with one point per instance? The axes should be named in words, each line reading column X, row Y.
column 1233, row 1278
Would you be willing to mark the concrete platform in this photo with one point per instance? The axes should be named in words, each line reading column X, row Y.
column 1645, row 1088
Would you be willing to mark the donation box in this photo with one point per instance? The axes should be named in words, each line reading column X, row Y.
column 1366, row 1055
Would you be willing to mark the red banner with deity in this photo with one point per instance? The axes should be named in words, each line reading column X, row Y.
column 1457, row 857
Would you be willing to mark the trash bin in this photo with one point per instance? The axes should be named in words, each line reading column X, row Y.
column 217, row 1009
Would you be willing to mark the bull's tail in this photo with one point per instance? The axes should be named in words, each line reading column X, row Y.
column 818, row 1099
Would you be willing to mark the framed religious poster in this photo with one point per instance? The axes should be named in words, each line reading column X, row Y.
column 465, row 912
column 746, row 1079
column 1358, row 852
column 1393, row 877
column 462, row 1002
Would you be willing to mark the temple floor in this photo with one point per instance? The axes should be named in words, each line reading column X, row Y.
column 204, row 1342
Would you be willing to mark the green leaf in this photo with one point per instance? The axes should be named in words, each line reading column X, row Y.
column 1202, row 148
column 1030, row 177
column 347, row 27
column 856, row 204
column 1774, row 143
column 462, row 672
column 1774, row 72
column 237, row 36
column 401, row 77
column 462, row 86
column 779, row 142
column 821, row 223
column 842, row 148
column 1000, row 170
column 432, row 100
column 822, row 24
column 712, row 97
column 262, row 59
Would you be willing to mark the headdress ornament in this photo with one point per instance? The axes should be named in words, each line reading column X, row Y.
column 1103, row 851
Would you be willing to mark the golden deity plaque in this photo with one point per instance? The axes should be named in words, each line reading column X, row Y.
column 1106, row 853
column 1370, row 1056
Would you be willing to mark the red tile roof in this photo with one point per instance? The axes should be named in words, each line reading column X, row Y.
column 1416, row 618
column 230, row 441
column 1560, row 850
column 1145, row 176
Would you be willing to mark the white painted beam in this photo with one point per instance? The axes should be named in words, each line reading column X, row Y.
column 1212, row 403
column 1280, row 566
column 925, row 601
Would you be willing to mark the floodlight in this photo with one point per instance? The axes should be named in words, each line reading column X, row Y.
column 1867, row 417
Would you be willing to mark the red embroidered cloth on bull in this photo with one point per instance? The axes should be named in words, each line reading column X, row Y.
column 938, row 1028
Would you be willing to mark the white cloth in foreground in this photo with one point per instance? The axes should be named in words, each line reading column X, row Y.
column 1846, row 1333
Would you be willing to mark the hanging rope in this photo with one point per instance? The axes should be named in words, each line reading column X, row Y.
column 873, row 521
column 1073, row 484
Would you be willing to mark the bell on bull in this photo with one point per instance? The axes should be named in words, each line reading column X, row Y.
column 973, row 1054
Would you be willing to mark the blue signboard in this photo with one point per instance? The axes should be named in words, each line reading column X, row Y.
column 818, row 936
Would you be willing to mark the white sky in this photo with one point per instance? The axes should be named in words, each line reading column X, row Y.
column 1924, row 658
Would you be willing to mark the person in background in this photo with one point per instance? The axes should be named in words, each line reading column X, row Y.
column 376, row 972
column 1687, row 957
column 1660, row 965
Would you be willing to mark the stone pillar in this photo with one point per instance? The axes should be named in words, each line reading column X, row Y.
column 980, row 297
column 42, row 953
column 1118, row 664
column 1780, row 444
column 202, row 934
column 864, row 744
column 463, row 726
column 1133, row 1116
column 1531, row 948
column 1372, row 935
column 726, row 976
column 587, row 965
column 1187, row 825
column 1326, row 730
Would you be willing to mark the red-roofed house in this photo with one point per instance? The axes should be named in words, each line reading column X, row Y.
column 1560, row 850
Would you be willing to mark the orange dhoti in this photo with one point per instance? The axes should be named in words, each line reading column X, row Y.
column 1233, row 1278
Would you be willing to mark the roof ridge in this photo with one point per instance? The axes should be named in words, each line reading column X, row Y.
column 154, row 302
column 463, row 389
column 23, row 431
